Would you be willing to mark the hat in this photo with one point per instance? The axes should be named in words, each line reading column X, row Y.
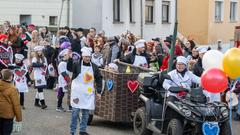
column 3, row 36
column 156, row 39
column 79, row 30
column 65, row 45
column 202, row 49
column 140, row 43
column 63, row 53
column 86, row 51
column 182, row 59
column 19, row 56
column 32, row 26
column 38, row 48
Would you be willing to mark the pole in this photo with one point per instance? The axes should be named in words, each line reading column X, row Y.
column 68, row 13
column 60, row 15
column 170, row 62
column 141, row 8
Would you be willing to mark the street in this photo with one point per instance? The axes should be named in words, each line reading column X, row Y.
column 49, row 122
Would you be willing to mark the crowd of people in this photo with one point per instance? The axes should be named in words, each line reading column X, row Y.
column 70, row 61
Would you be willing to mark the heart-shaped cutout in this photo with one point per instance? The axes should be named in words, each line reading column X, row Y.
column 109, row 85
column 210, row 128
column 20, row 73
column 132, row 85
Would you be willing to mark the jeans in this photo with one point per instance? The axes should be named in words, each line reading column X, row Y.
column 6, row 126
column 83, row 119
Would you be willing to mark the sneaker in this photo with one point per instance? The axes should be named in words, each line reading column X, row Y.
column 84, row 133
column 60, row 109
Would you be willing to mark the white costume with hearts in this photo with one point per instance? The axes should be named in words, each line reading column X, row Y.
column 40, row 73
column 20, row 79
column 83, row 91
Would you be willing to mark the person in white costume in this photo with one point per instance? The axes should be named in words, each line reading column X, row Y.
column 39, row 64
column 86, row 77
column 63, row 79
column 181, row 77
column 20, row 70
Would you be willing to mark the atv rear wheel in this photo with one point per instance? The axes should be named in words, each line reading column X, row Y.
column 139, row 123
column 175, row 127
column 225, row 129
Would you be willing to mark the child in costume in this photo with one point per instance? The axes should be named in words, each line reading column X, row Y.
column 20, row 80
column 63, row 79
column 39, row 64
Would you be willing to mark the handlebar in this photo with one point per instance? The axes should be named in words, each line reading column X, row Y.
column 177, row 89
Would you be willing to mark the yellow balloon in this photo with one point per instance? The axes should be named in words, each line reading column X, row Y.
column 231, row 63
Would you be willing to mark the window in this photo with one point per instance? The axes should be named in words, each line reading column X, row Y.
column 149, row 11
column 53, row 20
column 233, row 11
column 116, row 10
column 165, row 11
column 218, row 11
column 26, row 19
column 131, row 10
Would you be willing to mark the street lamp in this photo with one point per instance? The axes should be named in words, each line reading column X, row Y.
column 170, row 62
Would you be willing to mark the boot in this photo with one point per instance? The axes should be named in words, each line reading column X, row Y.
column 43, row 105
column 37, row 103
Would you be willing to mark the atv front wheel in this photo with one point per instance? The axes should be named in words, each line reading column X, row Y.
column 225, row 129
column 175, row 127
column 139, row 123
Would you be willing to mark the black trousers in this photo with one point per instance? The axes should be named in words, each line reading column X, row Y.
column 60, row 97
column 50, row 82
column 6, row 126
column 22, row 98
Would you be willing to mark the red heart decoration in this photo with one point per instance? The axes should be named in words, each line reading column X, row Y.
column 132, row 85
column 20, row 72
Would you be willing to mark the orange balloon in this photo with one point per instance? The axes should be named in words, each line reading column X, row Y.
column 231, row 63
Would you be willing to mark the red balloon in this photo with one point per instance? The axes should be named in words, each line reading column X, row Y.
column 214, row 80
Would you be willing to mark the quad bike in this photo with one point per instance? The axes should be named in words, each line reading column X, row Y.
column 183, row 117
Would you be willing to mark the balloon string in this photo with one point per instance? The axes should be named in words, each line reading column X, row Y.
column 231, row 89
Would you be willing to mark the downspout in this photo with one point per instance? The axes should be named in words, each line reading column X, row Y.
column 60, row 15
column 68, row 13
column 141, row 27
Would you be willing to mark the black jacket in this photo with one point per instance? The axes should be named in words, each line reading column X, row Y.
column 75, row 68
column 197, row 68
column 76, row 46
column 48, row 53
column 130, row 58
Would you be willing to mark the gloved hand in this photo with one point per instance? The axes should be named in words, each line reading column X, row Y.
column 17, row 126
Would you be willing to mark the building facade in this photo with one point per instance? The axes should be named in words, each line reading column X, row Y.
column 209, row 21
column 38, row 12
column 145, row 18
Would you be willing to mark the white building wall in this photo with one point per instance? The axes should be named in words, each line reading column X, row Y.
column 114, row 28
column 159, row 29
column 87, row 14
column 39, row 9
column 156, row 29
